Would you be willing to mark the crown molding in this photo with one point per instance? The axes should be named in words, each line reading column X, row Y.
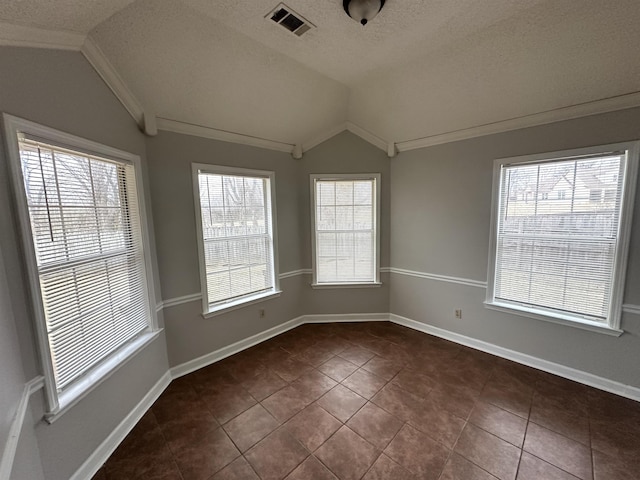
column 185, row 128
column 324, row 136
column 297, row 151
column 604, row 105
column 98, row 60
column 22, row 36
column 34, row 37
column 369, row 137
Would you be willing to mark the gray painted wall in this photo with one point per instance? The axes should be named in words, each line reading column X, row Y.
column 11, row 375
column 171, row 157
column 189, row 335
column 27, row 464
column 440, row 216
column 435, row 218
column 60, row 89
column 345, row 153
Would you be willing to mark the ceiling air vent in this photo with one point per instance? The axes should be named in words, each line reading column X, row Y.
column 287, row 18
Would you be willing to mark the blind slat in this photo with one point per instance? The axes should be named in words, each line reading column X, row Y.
column 345, row 230
column 237, row 235
column 557, row 232
column 87, row 235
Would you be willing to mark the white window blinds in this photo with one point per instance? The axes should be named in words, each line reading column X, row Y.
column 345, row 230
column 237, row 236
column 558, row 234
column 86, row 231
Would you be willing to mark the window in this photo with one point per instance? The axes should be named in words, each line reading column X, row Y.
column 345, row 219
column 236, row 236
column 83, row 226
column 564, row 261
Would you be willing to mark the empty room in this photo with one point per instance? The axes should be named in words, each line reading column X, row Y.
column 319, row 239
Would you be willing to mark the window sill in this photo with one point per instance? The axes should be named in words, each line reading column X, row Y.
column 558, row 319
column 245, row 302
column 346, row 285
column 99, row 374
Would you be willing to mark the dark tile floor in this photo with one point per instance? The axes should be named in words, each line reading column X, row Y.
column 378, row 401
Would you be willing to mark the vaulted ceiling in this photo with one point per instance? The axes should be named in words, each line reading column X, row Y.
column 421, row 68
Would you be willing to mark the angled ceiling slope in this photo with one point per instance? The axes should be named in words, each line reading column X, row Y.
column 421, row 73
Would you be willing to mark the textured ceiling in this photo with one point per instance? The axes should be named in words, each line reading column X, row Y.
column 71, row 15
column 552, row 56
column 190, row 67
column 420, row 68
column 343, row 49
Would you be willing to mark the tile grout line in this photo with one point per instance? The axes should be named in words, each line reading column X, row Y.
column 394, row 355
column 526, row 430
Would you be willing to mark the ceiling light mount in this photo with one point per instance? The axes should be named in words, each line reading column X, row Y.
column 362, row 11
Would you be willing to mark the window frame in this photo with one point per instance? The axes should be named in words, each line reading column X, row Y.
column 612, row 325
column 376, row 177
column 245, row 301
column 58, row 403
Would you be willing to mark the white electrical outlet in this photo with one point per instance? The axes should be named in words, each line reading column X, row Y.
column 459, row 313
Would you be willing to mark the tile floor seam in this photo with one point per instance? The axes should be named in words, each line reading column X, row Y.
column 173, row 460
column 250, row 466
column 474, row 464
column 591, row 449
column 392, row 351
column 500, row 439
column 485, row 470
column 553, row 465
column 452, row 451
column 324, row 464
column 430, row 435
column 368, row 399
column 301, row 462
column 332, row 435
column 522, row 450
column 559, row 434
column 497, row 436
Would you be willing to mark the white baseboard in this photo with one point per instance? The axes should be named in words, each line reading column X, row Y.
column 217, row 355
column 586, row 378
column 10, row 448
column 347, row 317
column 106, row 448
column 97, row 459
column 102, row 453
column 595, row 381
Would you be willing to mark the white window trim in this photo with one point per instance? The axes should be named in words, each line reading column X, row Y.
column 321, row 286
column 207, row 311
column 376, row 258
column 612, row 327
column 58, row 403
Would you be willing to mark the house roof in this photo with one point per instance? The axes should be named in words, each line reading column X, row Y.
column 421, row 71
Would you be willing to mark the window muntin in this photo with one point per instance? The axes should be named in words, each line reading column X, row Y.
column 345, row 229
column 236, row 235
column 85, row 255
column 563, row 255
